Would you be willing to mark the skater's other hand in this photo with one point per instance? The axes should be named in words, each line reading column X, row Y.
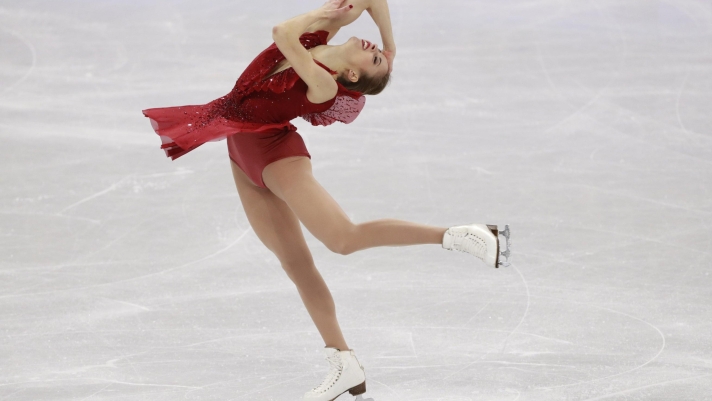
column 390, row 56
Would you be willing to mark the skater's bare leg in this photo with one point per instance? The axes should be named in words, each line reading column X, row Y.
column 291, row 180
column 278, row 228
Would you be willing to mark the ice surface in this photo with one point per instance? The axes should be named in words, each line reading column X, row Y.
column 584, row 125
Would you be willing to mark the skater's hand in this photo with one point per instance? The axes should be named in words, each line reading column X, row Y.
column 335, row 9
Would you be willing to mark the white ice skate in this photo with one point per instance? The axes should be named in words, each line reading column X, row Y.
column 345, row 374
column 481, row 240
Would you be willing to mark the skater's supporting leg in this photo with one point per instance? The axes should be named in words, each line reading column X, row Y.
column 278, row 228
column 291, row 180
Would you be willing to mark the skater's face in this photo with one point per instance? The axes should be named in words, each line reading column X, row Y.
column 365, row 58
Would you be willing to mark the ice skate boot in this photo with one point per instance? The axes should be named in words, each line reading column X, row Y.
column 481, row 240
column 345, row 374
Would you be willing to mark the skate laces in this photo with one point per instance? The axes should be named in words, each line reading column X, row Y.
column 471, row 244
column 335, row 368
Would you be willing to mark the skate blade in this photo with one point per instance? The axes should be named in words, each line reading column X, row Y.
column 505, row 252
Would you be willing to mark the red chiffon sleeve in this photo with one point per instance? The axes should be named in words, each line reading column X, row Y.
column 347, row 106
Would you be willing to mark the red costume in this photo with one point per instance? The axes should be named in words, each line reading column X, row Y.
column 255, row 115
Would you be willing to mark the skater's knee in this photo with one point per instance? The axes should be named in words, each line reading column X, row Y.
column 338, row 245
column 343, row 242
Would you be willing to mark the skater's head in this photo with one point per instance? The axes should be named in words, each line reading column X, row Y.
column 366, row 67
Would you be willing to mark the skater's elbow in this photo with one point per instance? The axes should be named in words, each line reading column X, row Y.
column 277, row 31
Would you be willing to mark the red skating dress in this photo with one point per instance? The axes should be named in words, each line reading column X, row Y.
column 255, row 116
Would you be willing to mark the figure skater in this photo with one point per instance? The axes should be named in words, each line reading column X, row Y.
column 300, row 75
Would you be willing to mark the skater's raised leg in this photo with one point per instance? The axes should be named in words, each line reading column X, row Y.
column 291, row 180
column 278, row 228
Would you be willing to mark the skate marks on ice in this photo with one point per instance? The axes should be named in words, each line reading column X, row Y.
column 33, row 63
column 552, row 358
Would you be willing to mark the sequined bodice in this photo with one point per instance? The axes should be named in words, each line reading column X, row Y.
column 271, row 107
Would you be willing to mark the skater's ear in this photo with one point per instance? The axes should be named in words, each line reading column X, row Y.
column 352, row 76
column 363, row 83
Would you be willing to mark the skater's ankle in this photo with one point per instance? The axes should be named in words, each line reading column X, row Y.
column 340, row 348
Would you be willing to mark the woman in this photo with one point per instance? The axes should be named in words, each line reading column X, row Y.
column 301, row 76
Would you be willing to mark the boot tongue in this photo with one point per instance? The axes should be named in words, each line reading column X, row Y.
column 333, row 355
column 329, row 351
column 335, row 367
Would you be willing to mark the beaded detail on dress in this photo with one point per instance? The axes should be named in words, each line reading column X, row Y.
column 345, row 109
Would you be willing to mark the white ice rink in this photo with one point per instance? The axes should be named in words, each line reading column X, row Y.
column 584, row 125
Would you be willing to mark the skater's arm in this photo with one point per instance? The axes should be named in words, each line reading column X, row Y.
column 322, row 86
column 378, row 9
